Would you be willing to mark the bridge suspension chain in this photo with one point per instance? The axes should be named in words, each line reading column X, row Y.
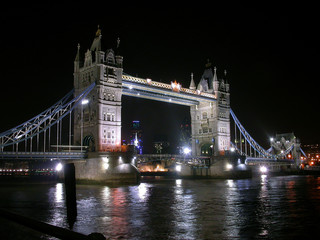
column 254, row 144
column 249, row 139
column 42, row 121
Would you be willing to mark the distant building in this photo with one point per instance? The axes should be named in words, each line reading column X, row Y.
column 312, row 151
column 161, row 144
column 136, row 136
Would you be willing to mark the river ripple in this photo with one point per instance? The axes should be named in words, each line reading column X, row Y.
column 259, row 208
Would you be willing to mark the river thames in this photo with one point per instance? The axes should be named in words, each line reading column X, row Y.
column 264, row 207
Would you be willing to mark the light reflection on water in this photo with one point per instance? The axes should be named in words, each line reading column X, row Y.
column 264, row 207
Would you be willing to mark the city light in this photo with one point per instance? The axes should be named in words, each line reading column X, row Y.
column 85, row 101
column 59, row 167
column 232, row 149
column 186, row 150
column 105, row 163
column 229, row 166
column 178, row 168
column 263, row 169
column 175, row 86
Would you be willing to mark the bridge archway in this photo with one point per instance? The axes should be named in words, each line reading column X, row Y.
column 206, row 149
column 89, row 142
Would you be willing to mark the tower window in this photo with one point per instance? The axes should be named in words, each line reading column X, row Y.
column 204, row 115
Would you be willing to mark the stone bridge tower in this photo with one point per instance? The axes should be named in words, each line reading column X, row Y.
column 210, row 122
column 97, row 121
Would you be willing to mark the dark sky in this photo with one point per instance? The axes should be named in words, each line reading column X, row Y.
column 268, row 52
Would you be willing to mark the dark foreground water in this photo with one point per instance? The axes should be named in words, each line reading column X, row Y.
column 260, row 208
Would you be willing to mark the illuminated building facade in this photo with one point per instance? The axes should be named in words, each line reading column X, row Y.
column 210, row 121
column 313, row 153
column 136, row 136
column 97, row 122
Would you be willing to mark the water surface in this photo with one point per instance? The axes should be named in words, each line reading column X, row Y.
column 260, row 208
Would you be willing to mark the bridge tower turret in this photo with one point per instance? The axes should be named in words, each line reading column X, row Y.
column 97, row 121
column 210, row 121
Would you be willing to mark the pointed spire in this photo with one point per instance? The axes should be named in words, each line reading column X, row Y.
column 208, row 64
column 78, row 54
column 215, row 74
column 192, row 84
column 118, row 42
column 96, row 44
column 118, row 48
column 225, row 76
column 98, row 32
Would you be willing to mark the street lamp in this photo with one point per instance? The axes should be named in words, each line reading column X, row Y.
column 186, row 150
column 83, row 102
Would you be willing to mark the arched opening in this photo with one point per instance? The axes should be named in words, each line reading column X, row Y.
column 89, row 142
column 207, row 149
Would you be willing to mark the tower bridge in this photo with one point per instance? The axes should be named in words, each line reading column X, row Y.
column 90, row 117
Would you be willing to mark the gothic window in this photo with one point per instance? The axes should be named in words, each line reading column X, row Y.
column 210, row 130
column 200, row 131
column 110, row 57
column 204, row 115
column 104, row 136
column 104, row 116
column 112, row 117
column 108, row 117
column 198, row 118
column 205, row 130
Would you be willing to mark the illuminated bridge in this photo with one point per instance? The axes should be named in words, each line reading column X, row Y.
column 85, row 125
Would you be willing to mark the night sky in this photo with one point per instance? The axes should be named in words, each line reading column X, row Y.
column 268, row 52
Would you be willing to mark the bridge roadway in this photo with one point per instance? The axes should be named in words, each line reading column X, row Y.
column 173, row 93
column 250, row 161
column 141, row 158
column 43, row 155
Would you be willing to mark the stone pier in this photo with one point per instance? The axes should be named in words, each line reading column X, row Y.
column 223, row 167
column 106, row 168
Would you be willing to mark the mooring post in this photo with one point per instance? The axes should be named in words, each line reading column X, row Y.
column 70, row 186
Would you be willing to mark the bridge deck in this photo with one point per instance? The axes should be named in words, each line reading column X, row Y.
column 145, row 88
column 43, row 155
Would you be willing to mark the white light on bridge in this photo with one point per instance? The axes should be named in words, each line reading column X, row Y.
column 85, row 101
column 178, row 168
column 105, row 163
column 229, row 166
column 186, row 150
column 263, row 169
column 59, row 167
